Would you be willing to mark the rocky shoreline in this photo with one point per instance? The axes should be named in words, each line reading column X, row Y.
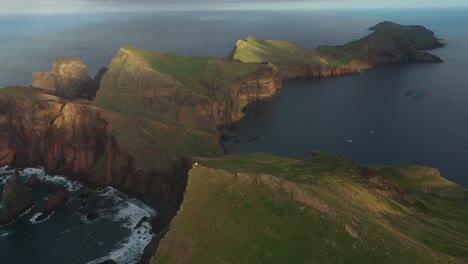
column 137, row 125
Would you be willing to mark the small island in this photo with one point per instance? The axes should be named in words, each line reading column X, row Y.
column 150, row 124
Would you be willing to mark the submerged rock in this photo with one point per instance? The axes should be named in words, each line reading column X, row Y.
column 54, row 202
column 91, row 216
column 33, row 180
column 109, row 261
column 85, row 193
column 57, row 201
column 16, row 199
column 67, row 78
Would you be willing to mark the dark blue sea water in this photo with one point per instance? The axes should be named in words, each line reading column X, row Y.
column 419, row 112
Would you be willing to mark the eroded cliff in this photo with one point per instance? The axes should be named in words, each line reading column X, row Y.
column 143, row 157
column 141, row 131
column 388, row 43
column 200, row 92
column 153, row 112
column 68, row 78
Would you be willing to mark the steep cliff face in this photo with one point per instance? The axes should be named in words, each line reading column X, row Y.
column 152, row 114
column 293, row 60
column 25, row 118
column 143, row 157
column 421, row 37
column 200, row 92
column 315, row 71
column 389, row 43
column 68, row 78
column 16, row 199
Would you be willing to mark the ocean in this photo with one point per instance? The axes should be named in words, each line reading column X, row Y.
column 419, row 112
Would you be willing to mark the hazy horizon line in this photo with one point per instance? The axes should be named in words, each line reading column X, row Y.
column 102, row 11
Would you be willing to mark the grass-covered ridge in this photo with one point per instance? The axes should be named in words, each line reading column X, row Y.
column 190, row 71
column 258, row 208
column 184, row 90
column 280, row 52
column 388, row 43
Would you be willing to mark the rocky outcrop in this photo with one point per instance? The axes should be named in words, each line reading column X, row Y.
column 33, row 180
column 152, row 113
column 430, row 41
column 143, row 149
column 16, row 199
column 56, row 201
column 53, row 203
column 389, row 43
column 422, row 56
column 67, row 78
column 315, row 71
column 214, row 95
column 146, row 158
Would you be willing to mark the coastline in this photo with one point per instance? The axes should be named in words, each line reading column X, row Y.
column 131, row 211
column 181, row 168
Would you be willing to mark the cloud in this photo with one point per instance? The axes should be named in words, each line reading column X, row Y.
column 60, row 6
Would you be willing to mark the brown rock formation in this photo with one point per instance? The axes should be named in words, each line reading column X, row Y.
column 135, row 84
column 314, row 71
column 67, row 78
column 143, row 157
column 33, row 180
column 56, row 201
column 141, row 148
column 16, row 199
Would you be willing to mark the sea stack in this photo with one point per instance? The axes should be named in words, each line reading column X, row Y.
column 68, row 78
column 16, row 199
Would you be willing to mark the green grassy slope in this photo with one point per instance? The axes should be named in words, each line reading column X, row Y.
column 388, row 39
column 174, row 88
column 191, row 71
column 257, row 208
column 279, row 52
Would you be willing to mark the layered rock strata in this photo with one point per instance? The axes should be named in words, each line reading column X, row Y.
column 68, row 78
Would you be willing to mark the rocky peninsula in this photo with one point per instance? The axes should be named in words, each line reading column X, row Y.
column 388, row 43
column 141, row 123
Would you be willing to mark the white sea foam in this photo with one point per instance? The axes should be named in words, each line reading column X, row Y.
column 33, row 218
column 5, row 233
column 69, row 230
column 127, row 211
column 130, row 212
column 83, row 218
column 70, row 185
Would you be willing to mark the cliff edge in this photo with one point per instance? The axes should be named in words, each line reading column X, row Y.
column 250, row 208
column 199, row 92
column 388, row 43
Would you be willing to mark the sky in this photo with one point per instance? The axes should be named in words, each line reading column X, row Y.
column 79, row 6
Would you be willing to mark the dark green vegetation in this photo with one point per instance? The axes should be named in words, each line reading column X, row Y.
column 388, row 43
column 197, row 92
column 191, row 72
column 257, row 208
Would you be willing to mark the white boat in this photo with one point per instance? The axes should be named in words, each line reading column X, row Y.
column 350, row 140
column 372, row 131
